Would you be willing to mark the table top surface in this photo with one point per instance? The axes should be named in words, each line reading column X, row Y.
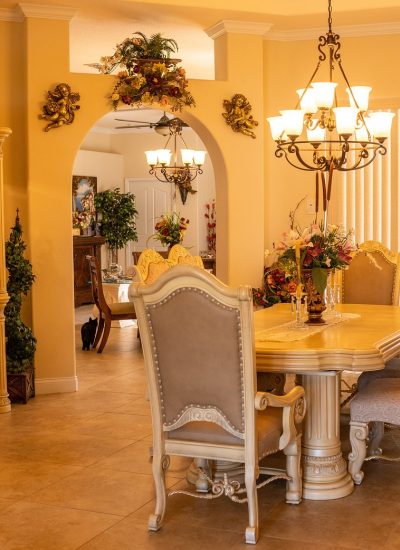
column 364, row 343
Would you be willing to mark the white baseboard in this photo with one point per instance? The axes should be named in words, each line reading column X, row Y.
column 56, row 385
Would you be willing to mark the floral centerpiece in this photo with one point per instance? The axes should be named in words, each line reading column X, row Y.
column 148, row 73
column 316, row 250
column 170, row 229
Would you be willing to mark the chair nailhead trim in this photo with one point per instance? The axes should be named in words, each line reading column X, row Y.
column 149, row 307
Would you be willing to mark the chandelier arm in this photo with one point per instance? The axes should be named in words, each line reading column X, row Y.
column 292, row 148
column 347, row 82
column 308, row 83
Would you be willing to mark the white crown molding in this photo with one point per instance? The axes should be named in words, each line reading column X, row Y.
column 373, row 29
column 42, row 11
column 11, row 14
column 237, row 27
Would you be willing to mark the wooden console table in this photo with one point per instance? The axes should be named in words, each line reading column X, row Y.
column 82, row 247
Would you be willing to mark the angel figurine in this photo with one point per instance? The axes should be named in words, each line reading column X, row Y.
column 238, row 115
column 60, row 107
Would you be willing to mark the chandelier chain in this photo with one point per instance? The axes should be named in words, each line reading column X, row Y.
column 330, row 16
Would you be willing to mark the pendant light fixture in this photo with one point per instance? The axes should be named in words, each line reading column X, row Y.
column 319, row 134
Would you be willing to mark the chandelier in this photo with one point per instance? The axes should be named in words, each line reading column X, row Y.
column 320, row 135
column 164, row 162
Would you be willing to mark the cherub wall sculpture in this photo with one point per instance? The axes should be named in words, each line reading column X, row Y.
column 60, row 107
column 238, row 115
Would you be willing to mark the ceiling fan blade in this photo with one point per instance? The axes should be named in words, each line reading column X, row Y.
column 135, row 121
column 122, row 127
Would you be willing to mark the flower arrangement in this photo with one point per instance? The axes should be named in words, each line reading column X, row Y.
column 211, row 216
column 316, row 249
column 81, row 219
column 170, row 229
column 149, row 74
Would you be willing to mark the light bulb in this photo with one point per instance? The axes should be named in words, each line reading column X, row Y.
column 187, row 156
column 324, row 94
column 277, row 129
column 346, row 120
column 317, row 134
column 381, row 124
column 164, row 156
column 361, row 95
column 307, row 101
column 293, row 120
column 199, row 157
column 151, row 157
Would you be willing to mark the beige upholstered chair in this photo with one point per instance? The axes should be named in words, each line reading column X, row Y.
column 373, row 277
column 150, row 265
column 197, row 338
column 377, row 402
column 180, row 255
column 107, row 312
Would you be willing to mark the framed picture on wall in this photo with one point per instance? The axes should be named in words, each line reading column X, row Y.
column 83, row 191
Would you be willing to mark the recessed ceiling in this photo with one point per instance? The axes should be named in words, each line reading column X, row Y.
column 99, row 25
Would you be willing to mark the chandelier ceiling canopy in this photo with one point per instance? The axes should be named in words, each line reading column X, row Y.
column 321, row 135
column 164, row 163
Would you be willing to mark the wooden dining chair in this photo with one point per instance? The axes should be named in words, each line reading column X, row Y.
column 373, row 277
column 107, row 312
column 198, row 345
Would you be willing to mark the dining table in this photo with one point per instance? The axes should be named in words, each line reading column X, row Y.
column 355, row 337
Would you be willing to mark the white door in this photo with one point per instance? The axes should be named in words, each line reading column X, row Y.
column 152, row 199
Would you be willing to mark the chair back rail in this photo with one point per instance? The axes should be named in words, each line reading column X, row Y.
column 97, row 286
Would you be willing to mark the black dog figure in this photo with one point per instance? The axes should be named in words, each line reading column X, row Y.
column 88, row 333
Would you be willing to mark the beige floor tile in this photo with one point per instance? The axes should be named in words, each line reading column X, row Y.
column 352, row 522
column 113, row 425
column 169, row 537
column 106, row 491
column 30, row 526
column 136, row 406
column 136, row 458
column 22, row 478
column 56, row 447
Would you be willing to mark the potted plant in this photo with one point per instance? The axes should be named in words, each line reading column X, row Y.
column 21, row 344
column 116, row 212
column 149, row 74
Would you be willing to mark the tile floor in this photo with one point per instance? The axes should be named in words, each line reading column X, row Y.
column 75, row 474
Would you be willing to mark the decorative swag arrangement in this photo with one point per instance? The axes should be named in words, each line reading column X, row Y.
column 149, row 74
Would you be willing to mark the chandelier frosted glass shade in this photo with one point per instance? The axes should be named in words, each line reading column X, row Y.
column 164, row 164
column 319, row 134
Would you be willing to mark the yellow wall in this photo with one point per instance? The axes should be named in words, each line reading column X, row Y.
column 254, row 190
column 49, row 159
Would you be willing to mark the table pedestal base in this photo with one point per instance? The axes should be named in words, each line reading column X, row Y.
column 325, row 475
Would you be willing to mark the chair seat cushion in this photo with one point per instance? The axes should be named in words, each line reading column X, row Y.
column 123, row 308
column 378, row 401
column 391, row 370
column 269, row 430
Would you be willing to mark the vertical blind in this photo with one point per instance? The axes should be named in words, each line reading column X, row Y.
column 368, row 200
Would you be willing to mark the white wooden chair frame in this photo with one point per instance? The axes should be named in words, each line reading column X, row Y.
column 293, row 403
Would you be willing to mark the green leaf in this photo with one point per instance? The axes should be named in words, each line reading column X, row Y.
column 320, row 278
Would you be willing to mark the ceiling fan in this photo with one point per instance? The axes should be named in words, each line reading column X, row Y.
column 162, row 126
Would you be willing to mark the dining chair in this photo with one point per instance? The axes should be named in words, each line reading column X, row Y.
column 107, row 312
column 373, row 277
column 375, row 404
column 136, row 255
column 180, row 255
column 198, row 345
column 150, row 265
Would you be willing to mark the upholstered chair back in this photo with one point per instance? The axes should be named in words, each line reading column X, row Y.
column 180, row 255
column 373, row 276
column 150, row 265
column 196, row 353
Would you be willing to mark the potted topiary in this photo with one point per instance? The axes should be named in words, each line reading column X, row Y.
column 116, row 212
column 21, row 344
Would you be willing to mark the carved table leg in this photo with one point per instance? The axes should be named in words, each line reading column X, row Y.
column 325, row 475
